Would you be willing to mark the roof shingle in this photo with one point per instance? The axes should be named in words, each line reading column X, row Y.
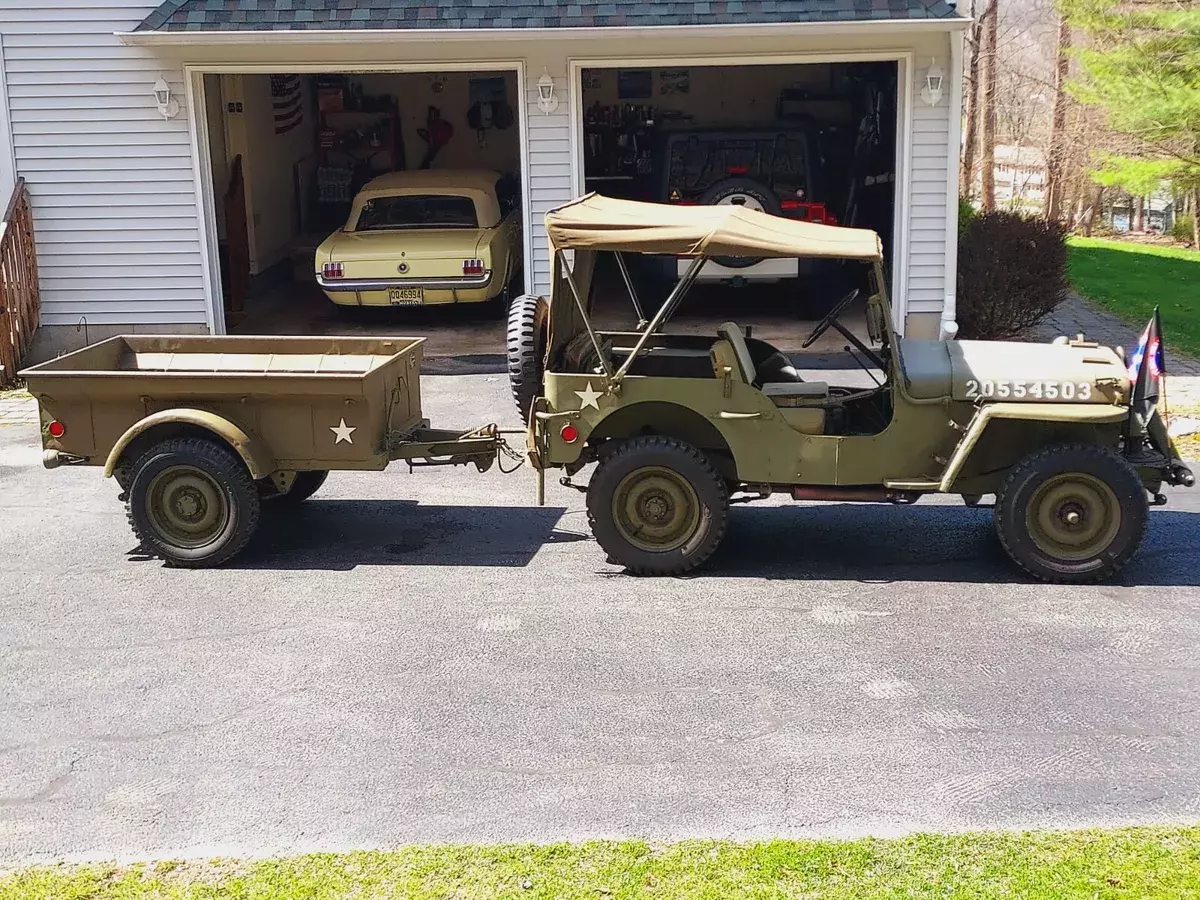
column 271, row 15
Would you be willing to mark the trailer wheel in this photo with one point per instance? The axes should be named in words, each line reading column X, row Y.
column 1072, row 513
column 304, row 485
column 192, row 502
column 528, row 339
column 657, row 506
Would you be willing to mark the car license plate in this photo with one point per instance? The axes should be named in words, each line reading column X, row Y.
column 406, row 296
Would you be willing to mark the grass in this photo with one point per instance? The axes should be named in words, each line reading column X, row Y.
column 1143, row 863
column 1130, row 279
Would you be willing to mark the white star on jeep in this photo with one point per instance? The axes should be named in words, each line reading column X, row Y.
column 588, row 397
column 343, row 432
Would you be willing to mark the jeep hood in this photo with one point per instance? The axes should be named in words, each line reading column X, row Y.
column 963, row 368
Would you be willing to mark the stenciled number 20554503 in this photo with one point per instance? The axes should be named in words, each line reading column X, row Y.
column 1023, row 390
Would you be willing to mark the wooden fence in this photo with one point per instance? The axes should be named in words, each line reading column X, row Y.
column 20, row 300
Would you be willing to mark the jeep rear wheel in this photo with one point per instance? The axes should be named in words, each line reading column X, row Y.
column 657, row 506
column 1072, row 513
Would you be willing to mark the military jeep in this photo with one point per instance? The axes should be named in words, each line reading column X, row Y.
column 682, row 425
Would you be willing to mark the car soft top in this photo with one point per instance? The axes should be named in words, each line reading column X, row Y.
column 594, row 222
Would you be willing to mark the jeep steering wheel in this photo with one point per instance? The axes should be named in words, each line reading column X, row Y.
column 832, row 316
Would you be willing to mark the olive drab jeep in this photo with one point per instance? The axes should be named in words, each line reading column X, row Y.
column 681, row 425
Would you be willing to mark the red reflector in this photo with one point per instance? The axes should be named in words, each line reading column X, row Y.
column 569, row 433
column 473, row 267
column 57, row 429
column 738, row 170
column 789, row 204
column 334, row 270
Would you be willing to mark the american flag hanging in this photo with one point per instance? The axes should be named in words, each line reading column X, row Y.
column 287, row 101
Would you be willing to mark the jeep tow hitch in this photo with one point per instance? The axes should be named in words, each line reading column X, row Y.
column 566, row 482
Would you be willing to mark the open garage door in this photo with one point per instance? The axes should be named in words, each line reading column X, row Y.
column 814, row 142
column 338, row 191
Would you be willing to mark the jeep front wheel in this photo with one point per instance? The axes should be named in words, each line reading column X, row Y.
column 1072, row 513
column 657, row 506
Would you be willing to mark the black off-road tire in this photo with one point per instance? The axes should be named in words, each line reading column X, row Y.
column 1100, row 466
column 748, row 187
column 304, row 485
column 228, row 475
column 528, row 336
column 657, row 453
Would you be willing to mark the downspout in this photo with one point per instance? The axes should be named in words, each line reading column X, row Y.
column 948, row 328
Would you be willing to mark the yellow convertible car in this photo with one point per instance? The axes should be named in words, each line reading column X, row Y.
column 423, row 238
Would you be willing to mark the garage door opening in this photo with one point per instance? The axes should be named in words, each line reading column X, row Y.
column 813, row 142
column 368, row 202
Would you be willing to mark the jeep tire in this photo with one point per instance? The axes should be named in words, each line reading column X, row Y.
column 192, row 502
column 657, row 506
column 528, row 339
column 1072, row 513
column 741, row 192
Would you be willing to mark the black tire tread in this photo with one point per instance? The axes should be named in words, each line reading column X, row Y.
column 230, row 468
column 527, row 316
column 623, row 449
column 1034, row 462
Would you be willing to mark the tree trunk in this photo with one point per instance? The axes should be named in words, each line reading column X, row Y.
column 1138, row 215
column 987, row 158
column 1096, row 209
column 966, row 170
column 1195, row 219
column 1054, row 161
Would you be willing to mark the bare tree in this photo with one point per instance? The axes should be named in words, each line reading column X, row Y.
column 990, row 61
column 970, row 148
column 1055, row 183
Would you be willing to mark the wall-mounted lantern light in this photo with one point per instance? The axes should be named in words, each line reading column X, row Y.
column 168, row 106
column 547, row 101
column 931, row 93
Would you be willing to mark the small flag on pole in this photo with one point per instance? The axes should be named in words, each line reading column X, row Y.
column 287, row 101
column 1147, row 367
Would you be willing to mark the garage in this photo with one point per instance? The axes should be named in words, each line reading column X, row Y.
column 422, row 169
column 808, row 141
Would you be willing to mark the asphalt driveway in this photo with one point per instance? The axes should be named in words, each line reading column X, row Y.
column 430, row 656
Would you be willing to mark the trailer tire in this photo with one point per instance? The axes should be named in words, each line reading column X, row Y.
column 1072, row 513
column 304, row 485
column 192, row 502
column 528, row 340
column 657, row 506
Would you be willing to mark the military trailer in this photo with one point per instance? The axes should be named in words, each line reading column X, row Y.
column 681, row 425
column 200, row 431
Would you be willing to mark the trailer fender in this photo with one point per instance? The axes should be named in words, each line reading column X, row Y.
column 252, row 450
column 1074, row 413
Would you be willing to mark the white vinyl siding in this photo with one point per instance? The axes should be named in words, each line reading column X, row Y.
column 550, row 155
column 113, row 197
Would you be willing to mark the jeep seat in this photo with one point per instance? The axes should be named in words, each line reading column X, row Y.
column 780, row 391
column 800, row 404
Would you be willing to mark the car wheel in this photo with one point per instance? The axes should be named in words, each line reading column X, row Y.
column 1072, row 513
column 657, row 506
column 192, row 502
column 528, row 337
column 741, row 192
column 304, row 485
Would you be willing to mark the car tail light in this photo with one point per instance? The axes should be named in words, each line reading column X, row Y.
column 334, row 270
column 738, row 170
column 56, row 429
column 569, row 433
column 473, row 267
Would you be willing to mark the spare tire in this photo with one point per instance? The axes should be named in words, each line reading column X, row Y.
column 741, row 192
column 528, row 340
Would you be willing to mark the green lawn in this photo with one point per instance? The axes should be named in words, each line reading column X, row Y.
column 1130, row 279
column 1140, row 863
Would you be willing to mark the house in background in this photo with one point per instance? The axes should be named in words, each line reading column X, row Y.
column 168, row 146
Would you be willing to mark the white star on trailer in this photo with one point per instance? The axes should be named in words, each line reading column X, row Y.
column 343, row 432
column 588, row 397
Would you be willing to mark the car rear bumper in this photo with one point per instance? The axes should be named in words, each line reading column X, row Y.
column 766, row 270
column 354, row 285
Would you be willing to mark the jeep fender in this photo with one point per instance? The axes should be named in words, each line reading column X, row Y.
column 1075, row 413
column 252, row 450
